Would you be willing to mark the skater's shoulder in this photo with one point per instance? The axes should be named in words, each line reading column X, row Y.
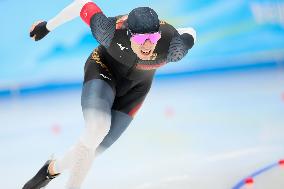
column 167, row 27
column 121, row 21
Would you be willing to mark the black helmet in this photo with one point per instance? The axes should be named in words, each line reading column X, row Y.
column 143, row 20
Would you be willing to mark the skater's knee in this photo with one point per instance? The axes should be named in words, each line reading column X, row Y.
column 97, row 126
column 97, row 119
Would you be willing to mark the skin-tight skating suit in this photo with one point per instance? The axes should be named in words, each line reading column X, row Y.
column 116, row 81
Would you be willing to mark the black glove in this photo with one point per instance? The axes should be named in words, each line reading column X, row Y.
column 40, row 31
column 187, row 39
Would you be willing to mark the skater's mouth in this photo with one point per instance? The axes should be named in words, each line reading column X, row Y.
column 145, row 52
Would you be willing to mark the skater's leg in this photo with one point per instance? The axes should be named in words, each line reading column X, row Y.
column 123, row 111
column 119, row 123
column 97, row 99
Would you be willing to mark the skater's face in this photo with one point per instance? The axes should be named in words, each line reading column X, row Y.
column 143, row 45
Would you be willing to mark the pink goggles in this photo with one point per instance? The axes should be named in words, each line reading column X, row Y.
column 141, row 38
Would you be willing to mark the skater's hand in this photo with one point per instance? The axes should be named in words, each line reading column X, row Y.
column 38, row 30
column 187, row 39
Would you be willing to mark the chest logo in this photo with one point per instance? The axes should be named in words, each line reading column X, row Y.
column 121, row 47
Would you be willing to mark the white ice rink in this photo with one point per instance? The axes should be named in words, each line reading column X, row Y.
column 203, row 131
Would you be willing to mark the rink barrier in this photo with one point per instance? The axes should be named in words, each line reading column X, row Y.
column 57, row 86
column 250, row 180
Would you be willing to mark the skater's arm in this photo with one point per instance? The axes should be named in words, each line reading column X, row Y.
column 183, row 40
column 41, row 28
column 68, row 13
column 102, row 27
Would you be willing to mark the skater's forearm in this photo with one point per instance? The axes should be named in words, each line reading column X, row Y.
column 68, row 13
column 180, row 44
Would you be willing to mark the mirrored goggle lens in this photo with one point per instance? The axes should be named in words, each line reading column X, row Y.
column 141, row 38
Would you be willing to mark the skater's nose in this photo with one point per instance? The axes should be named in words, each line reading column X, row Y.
column 147, row 43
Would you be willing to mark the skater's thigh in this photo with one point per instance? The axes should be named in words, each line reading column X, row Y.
column 131, row 102
column 95, row 68
column 99, row 86
column 97, row 95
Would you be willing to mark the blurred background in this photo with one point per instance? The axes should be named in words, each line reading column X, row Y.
column 210, row 121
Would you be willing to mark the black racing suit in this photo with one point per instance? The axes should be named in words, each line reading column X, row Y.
column 115, row 62
column 129, row 77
